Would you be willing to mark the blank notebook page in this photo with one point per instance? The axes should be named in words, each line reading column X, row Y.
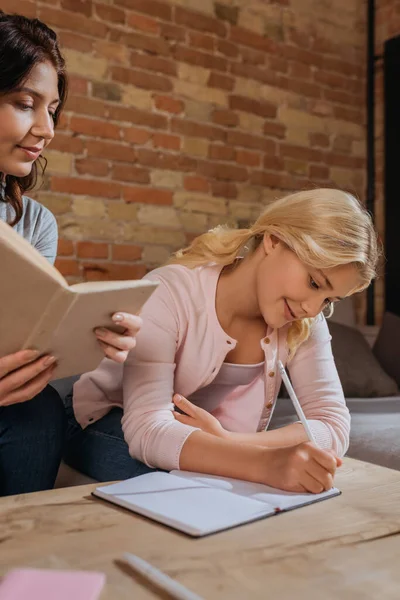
column 199, row 504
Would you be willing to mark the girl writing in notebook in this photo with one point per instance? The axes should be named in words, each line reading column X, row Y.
column 229, row 307
column 33, row 89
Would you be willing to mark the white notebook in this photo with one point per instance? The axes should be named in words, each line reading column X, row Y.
column 199, row 504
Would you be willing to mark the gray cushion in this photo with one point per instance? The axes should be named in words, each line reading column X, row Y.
column 360, row 373
column 387, row 346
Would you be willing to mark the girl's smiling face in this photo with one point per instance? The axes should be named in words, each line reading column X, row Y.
column 27, row 120
column 288, row 289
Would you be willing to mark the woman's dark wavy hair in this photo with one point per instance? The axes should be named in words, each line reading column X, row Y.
column 25, row 43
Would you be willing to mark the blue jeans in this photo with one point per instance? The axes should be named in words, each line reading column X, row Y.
column 100, row 450
column 32, row 437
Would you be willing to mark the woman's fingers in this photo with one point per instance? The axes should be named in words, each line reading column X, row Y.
column 18, row 378
column 119, row 341
column 114, row 354
column 29, row 390
column 11, row 362
column 183, row 418
column 184, row 404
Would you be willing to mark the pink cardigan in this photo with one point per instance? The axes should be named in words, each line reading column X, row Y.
column 181, row 348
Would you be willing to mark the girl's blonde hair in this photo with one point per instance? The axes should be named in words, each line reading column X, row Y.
column 325, row 228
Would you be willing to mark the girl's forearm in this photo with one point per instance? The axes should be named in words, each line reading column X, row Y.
column 206, row 453
column 290, row 435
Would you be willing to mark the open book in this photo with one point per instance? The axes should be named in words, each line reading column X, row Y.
column 39, row 310
column 200, row 504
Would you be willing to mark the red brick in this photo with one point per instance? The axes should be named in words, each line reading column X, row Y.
column 92, row 249
column 224, row 189
column 319, row 139
column 110, row 13
column 126, row 252
column 253, row 57
column 87, row 106
column 346, row 113
column 223, row 172
column 278, row 64
column 139, row 117
column 202, row 59
column 153, row 63
column 112, row 272
column 243, row 36
column 136, row 136
column 130, row 173
column 199, row 21
column 161, row 10
column 227, row 118
column 340, row 97
column 246, row 140
column 274, row 129
column 223, row 82
column 300, row 152
column 227, row 48
column 254, row 72
column 69, row 20
column 148, row 196
column 143, row 23
column 173, row 32
column 200, row 40
column 273, row 163
column 139, row 41
column 65, row 247
column 304, row 88
column 263, row 109
column 67, row 266
column 163, row 140
column 266, row 179
column 78, row 6
column 193, row 129
column 249, row 159
column 341, row 66
column 220, row 152
column 168, row 104
column 147, row 81
column 299, row 70
column 318, row 172
column 111, row 151
column 67, row 143
column 302, row 55
column 68, row 39
column 333, row 80
column 28, row 9
column 95, row 128
column 161, row 160
column 91, row 166
column 193, row 183
column 86, row 187
column 78, row 85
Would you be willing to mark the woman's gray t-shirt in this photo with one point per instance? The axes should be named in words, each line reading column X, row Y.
column 37, row 225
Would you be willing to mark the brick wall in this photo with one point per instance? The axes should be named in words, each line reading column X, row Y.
column 185, row 113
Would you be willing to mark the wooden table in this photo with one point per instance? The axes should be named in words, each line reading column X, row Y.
column 346, row 547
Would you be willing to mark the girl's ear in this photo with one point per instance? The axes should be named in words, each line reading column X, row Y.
column 270, row 242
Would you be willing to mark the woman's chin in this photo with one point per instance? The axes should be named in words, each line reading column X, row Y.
column 19, row 170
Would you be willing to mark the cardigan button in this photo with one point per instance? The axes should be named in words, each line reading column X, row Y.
column 269, row 404
column 267, row 340
column 229, row 342
column 271, row 374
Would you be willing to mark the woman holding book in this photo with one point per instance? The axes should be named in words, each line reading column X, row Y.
column 33, row 89
column 227, row 308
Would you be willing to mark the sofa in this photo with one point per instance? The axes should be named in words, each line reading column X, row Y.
column 368, row 361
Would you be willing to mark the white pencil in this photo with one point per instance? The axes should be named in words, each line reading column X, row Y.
column 296, row 403
column 160, row 579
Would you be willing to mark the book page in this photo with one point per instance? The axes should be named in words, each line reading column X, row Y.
column 192, row 506
column 275, row 498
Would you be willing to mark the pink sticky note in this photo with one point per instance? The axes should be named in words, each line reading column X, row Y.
column 45, row 584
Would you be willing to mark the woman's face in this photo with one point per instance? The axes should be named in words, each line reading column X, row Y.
column 288, row 290
column 26, row 120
